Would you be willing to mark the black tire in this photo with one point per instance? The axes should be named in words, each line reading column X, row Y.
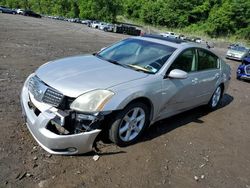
column 216, row 98
column 118, row 121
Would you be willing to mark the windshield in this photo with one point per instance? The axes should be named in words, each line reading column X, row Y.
column 239, row 48
column 138, row 54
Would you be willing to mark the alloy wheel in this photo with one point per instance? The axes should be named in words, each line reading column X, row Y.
column 132, row 124
column 216, row 97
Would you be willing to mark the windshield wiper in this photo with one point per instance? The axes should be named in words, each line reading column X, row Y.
column 111, row 61
column 130, row 66
column 139, row 68
column 115, row 62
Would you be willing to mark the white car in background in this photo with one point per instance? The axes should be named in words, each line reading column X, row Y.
column 19, row 11
column 198, row 40
column 106, row 27
column 237, row 53
column 170, row 35
column 95, row 24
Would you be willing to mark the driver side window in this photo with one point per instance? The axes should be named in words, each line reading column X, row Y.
column 186, row 61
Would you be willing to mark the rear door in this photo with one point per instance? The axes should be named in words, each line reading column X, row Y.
column 208, row 73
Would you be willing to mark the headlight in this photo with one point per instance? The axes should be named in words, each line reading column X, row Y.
column 93, row 101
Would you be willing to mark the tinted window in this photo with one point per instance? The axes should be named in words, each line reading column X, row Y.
column 207, row 60
column 126, row 50
column 138, row 54
column 185, row 61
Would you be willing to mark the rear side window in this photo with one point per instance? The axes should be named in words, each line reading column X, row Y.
column 207, row 60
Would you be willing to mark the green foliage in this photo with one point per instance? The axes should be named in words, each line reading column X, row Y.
column 133, row 8
column 233, row 16
column 244, row 33
column 106, row 10
column 212, row 17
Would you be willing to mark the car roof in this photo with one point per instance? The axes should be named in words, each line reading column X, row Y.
column 176, row 43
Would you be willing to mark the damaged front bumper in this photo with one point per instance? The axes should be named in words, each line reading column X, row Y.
column 39, row 119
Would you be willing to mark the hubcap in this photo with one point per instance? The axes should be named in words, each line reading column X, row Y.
column 132, row 124
column 216, row 97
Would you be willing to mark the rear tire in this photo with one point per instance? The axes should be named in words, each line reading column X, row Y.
column 216, row 98
column 128, row 125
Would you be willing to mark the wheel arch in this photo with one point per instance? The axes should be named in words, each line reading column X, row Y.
column 222, row 88
column 120, row 105
column 147, row 102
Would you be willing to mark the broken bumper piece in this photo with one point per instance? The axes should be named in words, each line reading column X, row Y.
column 39, row 116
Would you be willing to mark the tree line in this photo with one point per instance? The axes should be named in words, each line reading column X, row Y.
column 213, row 17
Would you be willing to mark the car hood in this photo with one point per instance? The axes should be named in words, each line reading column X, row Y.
column 74, row 76
column 235, row 52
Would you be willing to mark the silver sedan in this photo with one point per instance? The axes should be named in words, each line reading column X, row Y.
column 120, row 91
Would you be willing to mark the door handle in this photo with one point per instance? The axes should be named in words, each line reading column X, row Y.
column 217, row 75
column 194, row 81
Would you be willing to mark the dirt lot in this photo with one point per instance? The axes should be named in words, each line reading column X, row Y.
column 215, row 146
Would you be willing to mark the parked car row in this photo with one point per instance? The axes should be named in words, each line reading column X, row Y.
column 104, row 26
column 91, row 23
column 169, row 34
column 7, row 10
column 23, row 12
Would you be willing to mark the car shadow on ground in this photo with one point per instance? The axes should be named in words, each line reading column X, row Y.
column 247, row 81
column 166, row 125
column 100, row 153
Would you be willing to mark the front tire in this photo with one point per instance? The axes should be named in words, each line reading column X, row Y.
column 129, row 124
column 216, row 98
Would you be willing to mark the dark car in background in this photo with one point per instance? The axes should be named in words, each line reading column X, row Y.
column 7, row 10
column 243, row 71
column 31, row 13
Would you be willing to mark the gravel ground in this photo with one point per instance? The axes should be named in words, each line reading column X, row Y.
column 193, row 149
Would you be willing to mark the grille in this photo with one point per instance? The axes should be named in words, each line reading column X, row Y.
column 44, row 93
column 52, row 97
column 247, row 69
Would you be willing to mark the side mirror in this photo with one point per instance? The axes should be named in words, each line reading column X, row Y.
column 177, row 73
